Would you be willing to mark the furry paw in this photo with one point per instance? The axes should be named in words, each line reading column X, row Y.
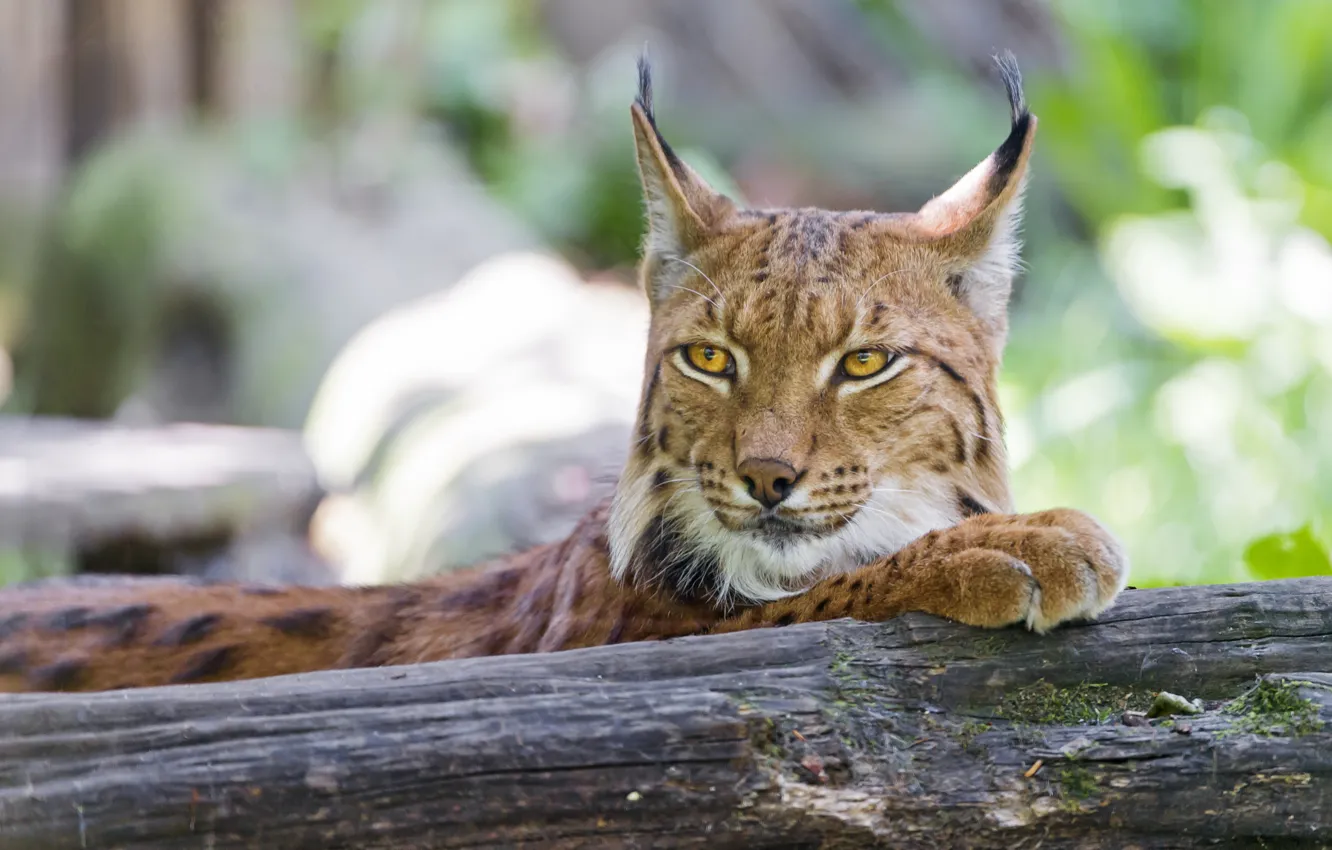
column 1039, row 569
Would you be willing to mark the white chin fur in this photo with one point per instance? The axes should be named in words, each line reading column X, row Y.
column 754, row 570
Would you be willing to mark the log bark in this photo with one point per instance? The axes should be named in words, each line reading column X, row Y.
column 911, row 733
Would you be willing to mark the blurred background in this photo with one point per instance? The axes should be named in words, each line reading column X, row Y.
column 393, row 241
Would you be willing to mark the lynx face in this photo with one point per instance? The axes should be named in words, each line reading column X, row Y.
column 819, row 388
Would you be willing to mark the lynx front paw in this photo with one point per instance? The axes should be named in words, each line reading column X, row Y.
column 1039, row 569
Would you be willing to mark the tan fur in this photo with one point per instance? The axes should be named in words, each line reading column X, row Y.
column 898, row 498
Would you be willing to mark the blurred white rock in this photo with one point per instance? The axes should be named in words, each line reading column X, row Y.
column 475, row 422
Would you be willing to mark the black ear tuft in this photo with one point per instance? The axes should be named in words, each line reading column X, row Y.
column 644, row 101
column 645, row 88
column 1006, row 157
column 1008, row 72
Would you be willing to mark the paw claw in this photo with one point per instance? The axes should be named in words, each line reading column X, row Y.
column 1035, row 622
column 1076, row 582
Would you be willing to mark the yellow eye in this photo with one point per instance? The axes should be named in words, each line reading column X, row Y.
column 865, row 363
column 709, row 358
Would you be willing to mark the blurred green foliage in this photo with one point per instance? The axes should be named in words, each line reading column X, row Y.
column 96, row 305
column 503, row 93
column 1172, row 374
column 1142, row 65
column 1299, row 553
column 548, row 140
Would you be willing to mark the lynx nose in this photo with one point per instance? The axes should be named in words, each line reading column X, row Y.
column 769, row 480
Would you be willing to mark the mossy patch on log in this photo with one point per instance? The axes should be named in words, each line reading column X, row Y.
column 1086, row 703
column 1275, row 708
column 1077, row 783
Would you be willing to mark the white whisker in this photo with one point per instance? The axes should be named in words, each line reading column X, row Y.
column 677, row 494
column 917, row 401
column 695, row 291
column 878, row 511
column 705, row 277
column 845, row 515
column 703, row 514
column 876, row 282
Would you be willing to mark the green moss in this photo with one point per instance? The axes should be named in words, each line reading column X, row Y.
column 853, row 689
column 766, row 737
column 969, row 730
column 1089, row 702
column 1275, row 708
column 1077, row 783
column 841, row 666
column 989, row 647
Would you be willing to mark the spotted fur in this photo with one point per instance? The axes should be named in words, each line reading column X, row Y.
column 881, row 493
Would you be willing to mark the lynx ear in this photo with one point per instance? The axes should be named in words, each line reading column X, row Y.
column 681, row 208
column 975, row 223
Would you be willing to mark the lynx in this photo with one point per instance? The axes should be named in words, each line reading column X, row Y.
column 818, row 437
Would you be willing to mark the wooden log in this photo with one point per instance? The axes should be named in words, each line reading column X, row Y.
column 912, row 733
column 88, row 492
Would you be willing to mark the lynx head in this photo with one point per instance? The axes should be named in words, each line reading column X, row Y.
column 820, row 386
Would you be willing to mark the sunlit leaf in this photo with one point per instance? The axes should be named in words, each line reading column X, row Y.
column 1288, row 555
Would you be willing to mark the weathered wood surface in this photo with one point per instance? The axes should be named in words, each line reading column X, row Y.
column 913, row 733
column 103, row 497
